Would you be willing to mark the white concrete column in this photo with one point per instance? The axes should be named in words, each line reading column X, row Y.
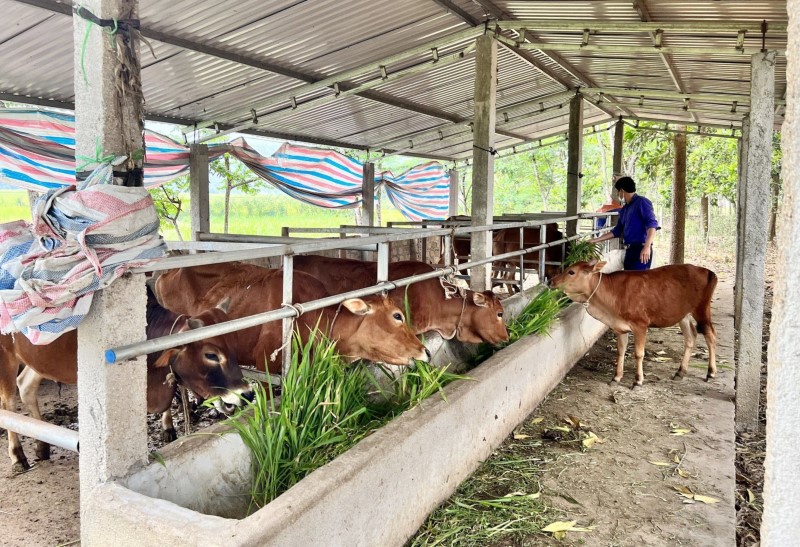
column 741, row 183
column 452, row 208
column 112, row 400
column 782, row 480
column 198, row 189
column 483, row 157
column 574, row 157
column 754, row 244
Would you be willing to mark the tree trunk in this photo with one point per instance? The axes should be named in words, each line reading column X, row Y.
column 773, row 217
column 177, row 230
column 704, row 217
column 677, row 241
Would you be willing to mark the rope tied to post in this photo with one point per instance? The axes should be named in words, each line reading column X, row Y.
column 298, row 310
column 491, row 150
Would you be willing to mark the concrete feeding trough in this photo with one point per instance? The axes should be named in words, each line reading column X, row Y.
column 377, row 493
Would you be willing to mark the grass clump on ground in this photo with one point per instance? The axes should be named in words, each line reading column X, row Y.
column 325, row 408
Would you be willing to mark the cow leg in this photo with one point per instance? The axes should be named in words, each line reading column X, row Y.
column 8, row 401
column 689, row 337
column 28, row 382
column 639, row 339
column 168, row 433
column 711, row 341
column 622, row 344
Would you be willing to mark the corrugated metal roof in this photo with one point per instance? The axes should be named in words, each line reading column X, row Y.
column 215, row 61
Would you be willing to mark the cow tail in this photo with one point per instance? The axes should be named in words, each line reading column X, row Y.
column 704, row 317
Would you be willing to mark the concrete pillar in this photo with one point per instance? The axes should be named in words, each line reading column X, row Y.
column 112, row 402
column 198, row 189
column 754, row 245
column 678, row 236
column 452, row 208
column 744, row 143
column 368, row 195
column 782, row 481
column 483, row 157
column 574, row 157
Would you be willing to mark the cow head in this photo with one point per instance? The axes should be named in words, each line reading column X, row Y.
column 373, row 328
column 209, row 367
column 578, row 281
column 482, row 319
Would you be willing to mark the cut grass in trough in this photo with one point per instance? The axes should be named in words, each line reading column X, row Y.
column 324, row 410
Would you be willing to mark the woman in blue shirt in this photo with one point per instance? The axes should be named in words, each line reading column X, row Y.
column 637, row 225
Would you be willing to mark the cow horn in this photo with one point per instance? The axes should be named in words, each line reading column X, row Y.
column 224, row 304
column 195, row 323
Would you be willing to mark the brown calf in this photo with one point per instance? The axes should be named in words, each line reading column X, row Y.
column 473, row 317
column 371, row 328
column 632, row 301
column 208, row 367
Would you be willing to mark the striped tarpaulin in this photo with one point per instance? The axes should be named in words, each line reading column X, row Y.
column 37, row 152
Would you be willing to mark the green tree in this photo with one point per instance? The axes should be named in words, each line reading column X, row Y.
column 168, row 202
column 234, row 175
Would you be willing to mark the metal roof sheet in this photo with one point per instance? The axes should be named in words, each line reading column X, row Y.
column 215, row 61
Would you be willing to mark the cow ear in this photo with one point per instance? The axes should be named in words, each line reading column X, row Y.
column 480, row 299
column 598, row 266
column 224, row 304
column 194, row 323
column 357, row 306
column 166, row 358
column 592, row 262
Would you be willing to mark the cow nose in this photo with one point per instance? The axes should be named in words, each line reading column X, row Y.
column 249, row 396
column 428, row 354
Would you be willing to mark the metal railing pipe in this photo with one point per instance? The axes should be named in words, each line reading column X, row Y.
column 37, row 429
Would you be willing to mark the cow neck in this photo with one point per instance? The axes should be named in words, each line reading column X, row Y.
column 600, row 280
column 460, row 318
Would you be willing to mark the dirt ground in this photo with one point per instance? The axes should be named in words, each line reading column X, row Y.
column 611, row 487
column 41, row 507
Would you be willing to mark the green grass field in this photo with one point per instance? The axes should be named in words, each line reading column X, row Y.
column 262, row 214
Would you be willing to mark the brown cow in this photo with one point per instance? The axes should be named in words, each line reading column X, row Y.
column 473, row 318
column 507, row 240
column 632, row 301
column 363, row 328
column 208, row 367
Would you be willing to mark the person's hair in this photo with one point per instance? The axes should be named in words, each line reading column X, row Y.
column 626, row 184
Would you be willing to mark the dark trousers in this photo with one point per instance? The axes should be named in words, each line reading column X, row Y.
column 632, row 261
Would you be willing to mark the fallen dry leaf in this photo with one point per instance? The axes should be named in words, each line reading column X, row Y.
column 561, row 534
column 705, row 499
column 689, row 494
column 565, row 526
column 520, row 436
column 683, row 473
column 538, row 420
column 574, row 422
column 590, row 439
column 661, row 464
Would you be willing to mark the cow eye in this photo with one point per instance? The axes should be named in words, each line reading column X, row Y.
column 213, row 357
column 500, row 314
column 571, row 272
column 398, row 316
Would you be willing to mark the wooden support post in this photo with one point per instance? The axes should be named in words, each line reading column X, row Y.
column 619, row 132
column 744, row 144
column 368, row 195
column 678, row 236
column 198, row 190
column 756, row 223
column 452, row 209
column 483, row 157
column 574, row 157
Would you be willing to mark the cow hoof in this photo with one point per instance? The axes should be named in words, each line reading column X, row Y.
column 614, row 382
column 710, row 377
column 636, row 387
column 20, row 467
column 678, row 376
column 42, row 450
column 168, row 435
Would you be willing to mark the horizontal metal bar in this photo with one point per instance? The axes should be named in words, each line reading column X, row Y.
column 40, row 430
column 677, row 131
column 290, row 108
column 275, row 240
column 732, row 125
column 689, row 50
column 539, row 25
column 726, row 98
